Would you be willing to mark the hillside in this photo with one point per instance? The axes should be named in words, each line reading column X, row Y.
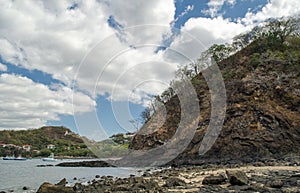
column 40, row 138
column 263, row 107
column 66, row 142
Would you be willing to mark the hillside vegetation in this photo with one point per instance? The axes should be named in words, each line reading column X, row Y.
column 67, row 143
column 261, row 71
column 40, row 138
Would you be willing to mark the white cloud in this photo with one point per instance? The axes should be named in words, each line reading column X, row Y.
column 216, row 5
column 3, row 67
column 124, row 70
column 198, row 34
column 132, row 12
column 218, row 30
column 52, row 39
column 10, row 52
column 55, row 39
column 274, row 9
column 186, row 10
column 26, row 104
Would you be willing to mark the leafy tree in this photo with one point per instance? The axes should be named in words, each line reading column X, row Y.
column 220, row 52
column 282, row 28
column 243, row 40
column 45, row 152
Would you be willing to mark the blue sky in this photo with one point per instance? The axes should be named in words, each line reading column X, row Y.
column 72, row 60
column 237, row 10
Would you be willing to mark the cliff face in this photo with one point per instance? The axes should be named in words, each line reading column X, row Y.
column 263, row 110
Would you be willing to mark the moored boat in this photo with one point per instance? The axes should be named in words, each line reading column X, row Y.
column 20, row 158
column 8, row 158
column 50, row 158
column 14, row 158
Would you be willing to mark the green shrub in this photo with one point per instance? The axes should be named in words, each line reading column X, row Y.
column 255, row 60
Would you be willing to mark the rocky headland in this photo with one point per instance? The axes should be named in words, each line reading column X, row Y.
column 258, row 147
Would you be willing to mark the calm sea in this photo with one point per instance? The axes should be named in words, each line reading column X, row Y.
column 14, row 175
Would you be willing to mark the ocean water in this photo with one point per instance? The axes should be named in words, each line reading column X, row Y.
column 14, row 175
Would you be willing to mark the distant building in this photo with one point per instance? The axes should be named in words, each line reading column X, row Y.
column 10, row 145
column 51, row 146
column 26, row 147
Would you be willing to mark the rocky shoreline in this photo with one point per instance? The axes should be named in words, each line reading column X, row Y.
column 268, row 176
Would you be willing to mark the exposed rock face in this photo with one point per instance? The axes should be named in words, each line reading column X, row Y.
column 262, row 120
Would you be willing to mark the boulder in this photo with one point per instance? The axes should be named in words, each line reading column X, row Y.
column 78, row 187
column 237, row 177
column 25, row 188
column 63, row 182
column 276, row 184
column 51, row 188
column 171, row 182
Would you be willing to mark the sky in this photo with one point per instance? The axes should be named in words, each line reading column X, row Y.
column 94, row 65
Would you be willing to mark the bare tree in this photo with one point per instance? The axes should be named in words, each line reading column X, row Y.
column 135, row 123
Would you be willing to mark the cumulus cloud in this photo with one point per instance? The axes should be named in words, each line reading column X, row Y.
column 56, row 36
column 52, row 39
column 26, row 104
column 198, row 34
column 217, row 30
column 75, row 42
column 125, row 68
column 10, row 52
column 274, row 9
column 186, row 11
column 132, row 12
column 216, row 5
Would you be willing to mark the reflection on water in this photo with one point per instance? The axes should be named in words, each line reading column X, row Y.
column 14, row 175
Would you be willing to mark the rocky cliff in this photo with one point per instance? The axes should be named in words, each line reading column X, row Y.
column 263, row 110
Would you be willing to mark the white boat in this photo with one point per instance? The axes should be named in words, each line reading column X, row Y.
column 50, row 158
column 15, row 158
column 20, row 158
column 9, row 158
